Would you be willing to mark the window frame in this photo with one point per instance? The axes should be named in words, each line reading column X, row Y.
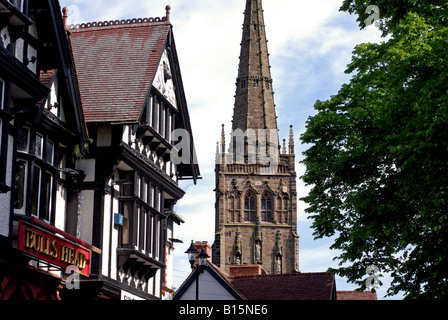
column 39, row 191
column 266, row 207
column 250, row 212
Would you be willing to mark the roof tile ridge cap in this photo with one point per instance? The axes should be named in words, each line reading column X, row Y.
column 117, row 23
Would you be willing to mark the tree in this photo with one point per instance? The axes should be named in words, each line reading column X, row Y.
column 378, row 155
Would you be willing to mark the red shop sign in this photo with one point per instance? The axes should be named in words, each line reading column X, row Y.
column 46, row 246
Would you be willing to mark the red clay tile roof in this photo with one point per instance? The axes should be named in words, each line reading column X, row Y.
column 356, row 295
column 116, row 62
column 300, row 286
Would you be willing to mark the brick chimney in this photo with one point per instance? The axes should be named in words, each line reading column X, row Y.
column 245, row 270
column 203, row 244
column 168, row 12
column 65, row 16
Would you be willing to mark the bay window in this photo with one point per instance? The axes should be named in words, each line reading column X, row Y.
column 36, row 175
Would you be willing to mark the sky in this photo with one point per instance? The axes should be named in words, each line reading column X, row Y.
column 310, row 45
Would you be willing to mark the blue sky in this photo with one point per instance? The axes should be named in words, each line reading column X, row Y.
column 310, row 45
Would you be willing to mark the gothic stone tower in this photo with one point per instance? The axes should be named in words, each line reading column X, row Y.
column 256, row 199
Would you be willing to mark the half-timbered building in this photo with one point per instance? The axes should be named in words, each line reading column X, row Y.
column 142, row 145
column 42, row 128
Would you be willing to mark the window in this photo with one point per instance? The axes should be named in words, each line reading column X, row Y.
column 143, row 231
column 233, row 208
column 38, row 147
column 168, row 126
column 2, row 94
column 283, row 209
column 35, row 198
column 48, row 197
column 155, row 114
column 23, row 139
column 20, row 185
column 35, row 175
column 149, row 240
column 49, row 152
column 249, row 207
column 266, row 208
column 156, row 242
column 137, row 185
column 144, row 191
column 162, row 120
column 137, row 234
column 157, row 199
column 149, row 111
column 152, row 199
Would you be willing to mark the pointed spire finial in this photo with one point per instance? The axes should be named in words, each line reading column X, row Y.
column 223, row 139
column 291, row 140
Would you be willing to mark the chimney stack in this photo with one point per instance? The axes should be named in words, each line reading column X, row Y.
column 208, row 249
column 65, row 16
column 168, row 13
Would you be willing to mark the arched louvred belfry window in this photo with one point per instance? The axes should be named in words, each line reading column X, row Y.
column 233, row 209
column 249, row 207
column 282, row 206
column 266, row 207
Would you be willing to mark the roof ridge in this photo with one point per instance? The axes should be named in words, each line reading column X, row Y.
column 293, row 274
column 110, row 23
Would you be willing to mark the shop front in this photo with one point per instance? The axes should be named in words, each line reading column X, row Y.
column 45, row 261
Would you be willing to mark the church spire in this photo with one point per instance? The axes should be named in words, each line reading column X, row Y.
column 255, row 180
column 254, row 100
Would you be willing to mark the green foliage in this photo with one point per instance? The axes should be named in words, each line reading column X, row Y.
column 378, row 156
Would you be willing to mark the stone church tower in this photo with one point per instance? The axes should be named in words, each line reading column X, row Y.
column 256, row 198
